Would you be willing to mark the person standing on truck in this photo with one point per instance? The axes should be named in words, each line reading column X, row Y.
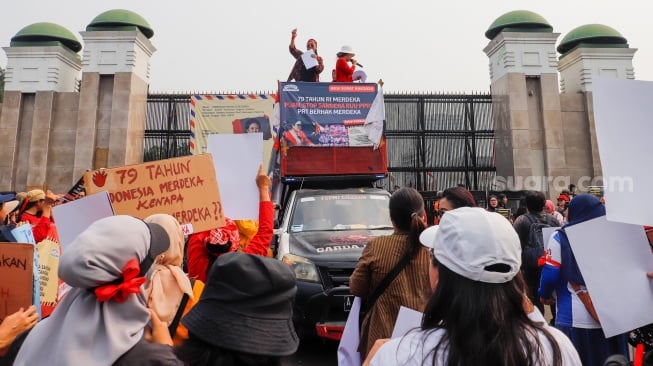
column 299, row 71
column 411, row 287
column 344, row 72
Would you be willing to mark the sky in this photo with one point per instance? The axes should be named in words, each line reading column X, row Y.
column 415, row 46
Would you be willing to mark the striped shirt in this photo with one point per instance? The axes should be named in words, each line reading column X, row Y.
column 411, row 288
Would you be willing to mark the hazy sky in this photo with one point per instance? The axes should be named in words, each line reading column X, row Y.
column 413, row 45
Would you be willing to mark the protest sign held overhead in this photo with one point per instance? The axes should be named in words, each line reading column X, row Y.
column 184, row 187
column 16, row 264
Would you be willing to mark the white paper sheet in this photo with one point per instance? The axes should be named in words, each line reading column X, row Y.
column 348, row 354
column 407, row 320
column 236, row 158
column 308, row 60
column 75, row 216
column 622, row 114
column 614, row 258
column 547, row 233
column 24, row 234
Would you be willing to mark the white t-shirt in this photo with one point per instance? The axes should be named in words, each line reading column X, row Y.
column 413, row 350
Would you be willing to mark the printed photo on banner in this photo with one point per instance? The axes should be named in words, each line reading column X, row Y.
column 327, row 114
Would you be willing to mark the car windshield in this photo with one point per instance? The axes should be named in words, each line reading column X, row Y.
column 341, row 212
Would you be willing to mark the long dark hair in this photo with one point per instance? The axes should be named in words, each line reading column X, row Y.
column 459, row 197
column 407, row 213
column 196, row 352
column 484, row 323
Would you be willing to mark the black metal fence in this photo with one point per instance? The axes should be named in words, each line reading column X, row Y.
column 434, row 141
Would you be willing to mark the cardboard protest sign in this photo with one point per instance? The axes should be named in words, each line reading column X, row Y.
column 49, row 251
column 16, row 268
column 184, row 187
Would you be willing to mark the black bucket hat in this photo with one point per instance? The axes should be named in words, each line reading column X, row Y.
column 246, row 306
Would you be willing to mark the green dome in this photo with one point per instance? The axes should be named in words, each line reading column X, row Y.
column 118, row 19
column 518, row 21
column 43, row 33
column 593, row 35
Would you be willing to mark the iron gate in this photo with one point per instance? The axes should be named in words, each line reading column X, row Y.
column 434, row 141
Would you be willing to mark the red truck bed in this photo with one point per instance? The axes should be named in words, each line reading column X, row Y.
column 299, row 161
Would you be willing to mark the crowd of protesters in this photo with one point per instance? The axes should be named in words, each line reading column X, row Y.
column 128, row 301
column 490, row 288
column 135, row 295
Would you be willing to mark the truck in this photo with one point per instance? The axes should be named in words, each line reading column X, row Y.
column 328, row 210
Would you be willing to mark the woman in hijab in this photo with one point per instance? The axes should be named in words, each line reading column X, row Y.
column 102, row 318
column 170, row 294
column 575, row 315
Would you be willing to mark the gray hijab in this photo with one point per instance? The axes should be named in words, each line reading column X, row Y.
column 83, row 330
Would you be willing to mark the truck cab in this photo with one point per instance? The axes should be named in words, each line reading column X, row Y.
column 321, row 237
column 330, row 155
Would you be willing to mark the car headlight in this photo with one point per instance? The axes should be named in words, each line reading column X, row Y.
column 304, row 269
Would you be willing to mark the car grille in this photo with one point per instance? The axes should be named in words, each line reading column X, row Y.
column 335, row 277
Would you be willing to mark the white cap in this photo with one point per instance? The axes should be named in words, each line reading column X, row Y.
column 471, row 239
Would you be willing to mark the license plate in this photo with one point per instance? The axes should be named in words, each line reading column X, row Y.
column 348, row 300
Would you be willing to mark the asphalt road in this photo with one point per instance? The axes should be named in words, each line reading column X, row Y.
column 314, row 352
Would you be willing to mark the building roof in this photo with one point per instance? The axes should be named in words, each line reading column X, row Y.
column 118, row 19
column 518, row 21
column 41, row 33
column 593, row 35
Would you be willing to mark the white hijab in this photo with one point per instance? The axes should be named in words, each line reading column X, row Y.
column 82, row 330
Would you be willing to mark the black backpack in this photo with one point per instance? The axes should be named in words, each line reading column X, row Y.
column 534, row 248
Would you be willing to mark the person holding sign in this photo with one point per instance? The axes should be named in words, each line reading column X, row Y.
column 12, row 327
column 300, row 72
column 36, row 209
column 102, row 319
column 206, row 246
column 576, row 316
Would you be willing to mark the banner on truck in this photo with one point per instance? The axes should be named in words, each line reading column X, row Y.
column 232, row 113
column 184, row 187
column 330, row 114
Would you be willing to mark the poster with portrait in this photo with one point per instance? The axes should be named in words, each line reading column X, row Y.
column 232, row 114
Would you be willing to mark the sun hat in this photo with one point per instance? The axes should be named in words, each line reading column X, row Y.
column 346, row 50
column 35, row 195
column 246, row 306
column 469, row 240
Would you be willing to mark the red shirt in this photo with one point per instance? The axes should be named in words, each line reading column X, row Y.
column 198, row 255
column 344, row 72
column 40, row 225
